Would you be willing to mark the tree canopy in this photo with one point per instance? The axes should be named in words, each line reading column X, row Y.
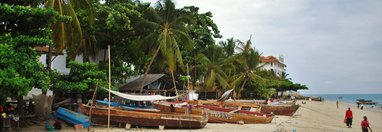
column 21, row 29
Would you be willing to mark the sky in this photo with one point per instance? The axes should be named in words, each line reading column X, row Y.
column 332, row 46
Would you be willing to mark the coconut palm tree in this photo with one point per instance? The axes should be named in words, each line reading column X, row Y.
column 249, row 64
column 212, row 61
column 68, row 34
column 168, row 32
column 229, row 47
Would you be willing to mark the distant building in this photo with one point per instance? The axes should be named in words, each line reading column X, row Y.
column 275, row 63
column 60, row 61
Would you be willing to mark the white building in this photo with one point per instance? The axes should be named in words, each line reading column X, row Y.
column 60, row 60
column 275, row 63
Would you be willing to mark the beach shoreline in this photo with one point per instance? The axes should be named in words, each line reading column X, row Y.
column 313, row 116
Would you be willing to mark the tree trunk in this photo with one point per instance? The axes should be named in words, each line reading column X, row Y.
column 194, row 71
column 173, row 81
column 148, row 68
column 242, row 88
column 49, row 58
column 20, row 105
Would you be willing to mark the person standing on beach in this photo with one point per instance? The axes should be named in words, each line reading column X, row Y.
column 337, row 103
column 349, row 118
column 365, row 125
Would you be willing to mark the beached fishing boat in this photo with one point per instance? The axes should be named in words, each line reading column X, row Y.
column 278, row 108
column 281, row 109
column 129, row 107
column 248, row 106
column 217, row 114
column 120, row 116
column 72, row 117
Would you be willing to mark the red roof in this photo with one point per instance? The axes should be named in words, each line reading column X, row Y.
column 45, row 50
column 267, row 59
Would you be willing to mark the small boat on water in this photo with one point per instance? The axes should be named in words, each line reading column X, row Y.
column 144, row 119
column 366, row 102
column 72, row 117
column 217, row 114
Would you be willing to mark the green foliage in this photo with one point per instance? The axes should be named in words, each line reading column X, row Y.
column 21, row 29
column 115, row 26
column 82, row 77
column 168, row 32
column 65, row 34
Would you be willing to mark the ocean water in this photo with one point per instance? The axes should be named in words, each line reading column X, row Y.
column 350, row 98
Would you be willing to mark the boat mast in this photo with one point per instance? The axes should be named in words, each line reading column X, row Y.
column 108, row 114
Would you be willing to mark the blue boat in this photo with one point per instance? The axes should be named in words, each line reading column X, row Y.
column 129, row 107
column 107, row 103
column 72, row 117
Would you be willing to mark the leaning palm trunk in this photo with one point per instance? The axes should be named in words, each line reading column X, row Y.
column 173, row 81
column 241, row 88
column 148, row 68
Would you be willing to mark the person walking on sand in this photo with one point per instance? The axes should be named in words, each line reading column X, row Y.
column 337, row 103
column 365, row 125
column 349, row 118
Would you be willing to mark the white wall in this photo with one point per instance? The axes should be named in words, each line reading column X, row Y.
column 276, row 67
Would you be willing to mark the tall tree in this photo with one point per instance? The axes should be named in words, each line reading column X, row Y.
column 202, row 32
column 229, row 46
column 69, row 35
column 249, row 65
column 22, row 27
column 115, row 26
column 168, row 32
column 212, row 61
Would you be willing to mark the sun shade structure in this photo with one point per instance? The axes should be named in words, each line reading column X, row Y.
column 141, row 97
column 134, row 84
column 225, row 95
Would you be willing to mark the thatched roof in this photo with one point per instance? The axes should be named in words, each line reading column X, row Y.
column 134, row 84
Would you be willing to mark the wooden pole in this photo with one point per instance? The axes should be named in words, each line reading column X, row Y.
column 108, row 114
column 91, row 106
column 188, row 79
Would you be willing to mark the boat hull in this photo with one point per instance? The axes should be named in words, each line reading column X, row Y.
column 287, row 110
column 221, row 115
column 145, row 119
column 72, row 117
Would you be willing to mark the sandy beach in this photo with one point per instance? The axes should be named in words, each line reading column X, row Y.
column 310, row 117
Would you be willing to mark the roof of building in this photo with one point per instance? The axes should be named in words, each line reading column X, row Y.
column 135, row 83
column 267, row 59
column 45, row 50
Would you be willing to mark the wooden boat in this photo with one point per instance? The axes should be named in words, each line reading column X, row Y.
column 219, row 115
column 72, row 117
column 129, row 107
column 145, row 119
column 248, row 106
column 287, row 110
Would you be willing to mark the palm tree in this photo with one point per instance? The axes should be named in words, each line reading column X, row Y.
column 68, row 34
column 229, row 47
column 211, row 62
column 249, row 64
column 168, row 31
